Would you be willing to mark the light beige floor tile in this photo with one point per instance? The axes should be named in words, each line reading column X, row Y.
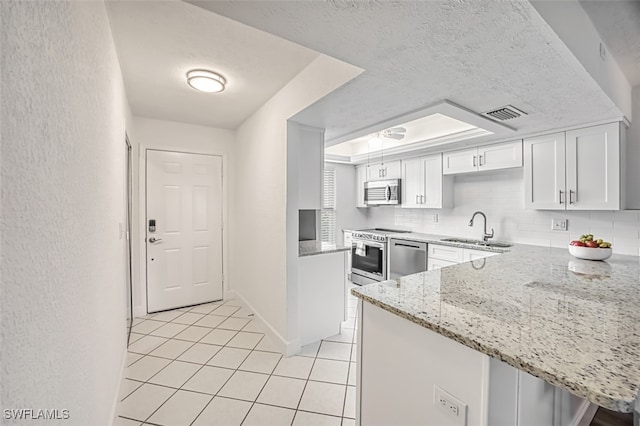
column 333, row 350
column 312, row 419
column 244, row 385
column 351, row 381
column 144, row 369
column 144, row 401
column 208, row 380
column 225, row 310
column 127, row 387
column 193, row 333
column 261, row 362
column 133, row 337
column 133, row 357
column 253, row 327
column 261, row 415
column 323, row 398
column 199, row 353
column 294, row 366
column 146, row 327
column 243, row 313
column 245, row 340
column 121, row 421
column 328, row 370
column 223, row 412
column 282, row 391
column 171, row 349
column 310, row 350
column 146, row 344
column 169, row 329
column 175, row 374
column 210, row 321
column 232, row 323
column 267, row 345
column 354, row 353
column 167, row 315
column 350, row 403
column 218, row 337
column 205, row 309
column 233, row 302
column 181, row 409
column 348, row 422
column 137, row 321
column 229, row 357
column 188, row 318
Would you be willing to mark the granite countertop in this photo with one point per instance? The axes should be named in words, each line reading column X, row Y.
column 437, row 239
column 314, row 247
column 573, row 323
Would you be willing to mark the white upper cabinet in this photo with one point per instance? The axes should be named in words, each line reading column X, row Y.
column 361, row 178
column 490, row 157
column 388, row 170
column 310, row 149
column 574, row 170
column 423, row 185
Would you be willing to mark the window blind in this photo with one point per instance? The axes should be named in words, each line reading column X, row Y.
column 328, row 213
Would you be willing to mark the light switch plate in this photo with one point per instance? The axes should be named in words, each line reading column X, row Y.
column 559, row 225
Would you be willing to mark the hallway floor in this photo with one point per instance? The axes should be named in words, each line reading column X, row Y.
column 212, row 365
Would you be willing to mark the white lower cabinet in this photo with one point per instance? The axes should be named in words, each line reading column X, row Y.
column 439, row 256
column 489, row 392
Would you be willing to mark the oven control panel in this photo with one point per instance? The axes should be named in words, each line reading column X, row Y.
column 369, row 236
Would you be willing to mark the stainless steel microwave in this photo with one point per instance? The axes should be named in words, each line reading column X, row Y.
column 382, row 192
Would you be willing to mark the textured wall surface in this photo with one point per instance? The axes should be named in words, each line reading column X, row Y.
column 63, row 124
column 500, row 194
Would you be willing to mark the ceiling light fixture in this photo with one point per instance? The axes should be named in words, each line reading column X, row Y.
column 206, row 81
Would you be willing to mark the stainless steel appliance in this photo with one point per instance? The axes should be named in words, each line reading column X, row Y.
column 406, row 258
column 369, row 255
column 382, row 192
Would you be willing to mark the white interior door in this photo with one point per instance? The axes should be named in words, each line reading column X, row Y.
column 184, row 252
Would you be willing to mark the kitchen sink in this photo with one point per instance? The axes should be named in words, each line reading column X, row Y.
column 477, row 242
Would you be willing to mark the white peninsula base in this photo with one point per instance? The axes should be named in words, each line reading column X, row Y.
column 409, row 375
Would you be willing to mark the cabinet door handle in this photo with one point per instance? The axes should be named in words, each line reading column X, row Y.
column 560, row 196
column 417, row 202
column 422, row 197
column 571, row 192
column 480, row 160
column 474, row 161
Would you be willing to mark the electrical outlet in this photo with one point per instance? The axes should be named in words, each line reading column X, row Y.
column 435, row 218
column 453, row 407
column 559, row 225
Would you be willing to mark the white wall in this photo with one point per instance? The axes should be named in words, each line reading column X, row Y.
column 633, row 153
column 63, row 293
column 347, row 215
column 500, row 195
column 264, row 251
column 147, row 133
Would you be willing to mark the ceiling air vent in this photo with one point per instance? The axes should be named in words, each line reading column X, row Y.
column 505, row 113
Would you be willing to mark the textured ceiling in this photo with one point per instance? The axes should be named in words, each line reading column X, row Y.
column 481, row 55
column 618, row 23
column 159, row 41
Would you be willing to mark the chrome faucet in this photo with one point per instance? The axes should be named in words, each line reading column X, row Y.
column 485, row 236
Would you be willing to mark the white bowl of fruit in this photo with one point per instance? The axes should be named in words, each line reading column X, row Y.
column 590, row 248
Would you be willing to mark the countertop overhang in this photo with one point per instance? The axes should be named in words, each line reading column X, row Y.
column 573, row 323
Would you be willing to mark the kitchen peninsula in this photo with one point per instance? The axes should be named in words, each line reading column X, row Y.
column 321, row 278
column 533, row 336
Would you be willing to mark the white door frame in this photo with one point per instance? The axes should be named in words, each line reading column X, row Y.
column 140, row 287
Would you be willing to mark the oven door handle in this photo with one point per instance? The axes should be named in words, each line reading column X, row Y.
column 368, row 243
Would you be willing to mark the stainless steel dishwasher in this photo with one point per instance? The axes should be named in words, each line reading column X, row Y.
column 406, row 258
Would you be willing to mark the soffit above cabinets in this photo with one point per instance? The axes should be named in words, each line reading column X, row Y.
column 441, row 124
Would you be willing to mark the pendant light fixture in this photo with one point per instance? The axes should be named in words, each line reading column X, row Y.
column 206, row 81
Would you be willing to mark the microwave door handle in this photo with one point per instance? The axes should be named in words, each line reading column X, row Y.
column 387, row 193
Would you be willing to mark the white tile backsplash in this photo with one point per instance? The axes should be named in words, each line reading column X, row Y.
column 500, row 195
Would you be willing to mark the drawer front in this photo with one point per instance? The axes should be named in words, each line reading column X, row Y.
column 452, row 254
column 433, row 264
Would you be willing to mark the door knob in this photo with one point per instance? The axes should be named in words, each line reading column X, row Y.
column 154, row 239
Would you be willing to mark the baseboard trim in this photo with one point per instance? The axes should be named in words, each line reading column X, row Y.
column 288, row 348
column 116, row 399
column 585, row 414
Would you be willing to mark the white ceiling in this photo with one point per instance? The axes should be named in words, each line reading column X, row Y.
column 618, row 23
column 482, row 55
column 159, row 41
